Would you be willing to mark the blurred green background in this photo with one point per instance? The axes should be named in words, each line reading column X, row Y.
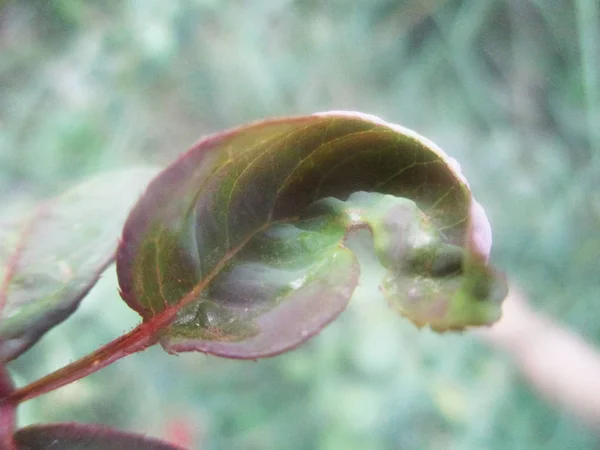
column 511, row 88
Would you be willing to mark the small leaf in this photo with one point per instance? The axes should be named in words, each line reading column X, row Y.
column 238, row 248
column 73, row 436
column 51, row 259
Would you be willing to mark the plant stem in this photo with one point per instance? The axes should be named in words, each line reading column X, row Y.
column 138, row 339
column 7, row 412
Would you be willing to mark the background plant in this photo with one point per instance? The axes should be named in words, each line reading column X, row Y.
column 509, row 88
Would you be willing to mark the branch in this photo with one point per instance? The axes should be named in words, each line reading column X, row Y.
column 560, row 364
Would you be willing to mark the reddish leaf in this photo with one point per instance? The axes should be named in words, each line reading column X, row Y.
column 73, row 436
column 237, row 249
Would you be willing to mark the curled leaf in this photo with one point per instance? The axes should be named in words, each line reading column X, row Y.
column 238, row 248
column 73, row 436
column 50, row 259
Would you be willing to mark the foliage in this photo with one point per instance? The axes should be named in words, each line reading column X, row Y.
column 54, row 255
column 80, row 437
column 509, row 87
column 239, row 249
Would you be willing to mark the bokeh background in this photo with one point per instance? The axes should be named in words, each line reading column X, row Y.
column 511, row 88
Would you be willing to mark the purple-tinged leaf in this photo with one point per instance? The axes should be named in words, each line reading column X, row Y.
column 50, row 259
column 73, row 436
column 238, row 248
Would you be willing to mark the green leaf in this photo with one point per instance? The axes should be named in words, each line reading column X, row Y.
column 72, row 436
column 238, row 248
column 50, row 259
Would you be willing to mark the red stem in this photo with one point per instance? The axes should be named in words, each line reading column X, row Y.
column 138, row 339
column 7, row 412
column 7, row 426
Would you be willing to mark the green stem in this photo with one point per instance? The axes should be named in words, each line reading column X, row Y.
column 588, row 20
